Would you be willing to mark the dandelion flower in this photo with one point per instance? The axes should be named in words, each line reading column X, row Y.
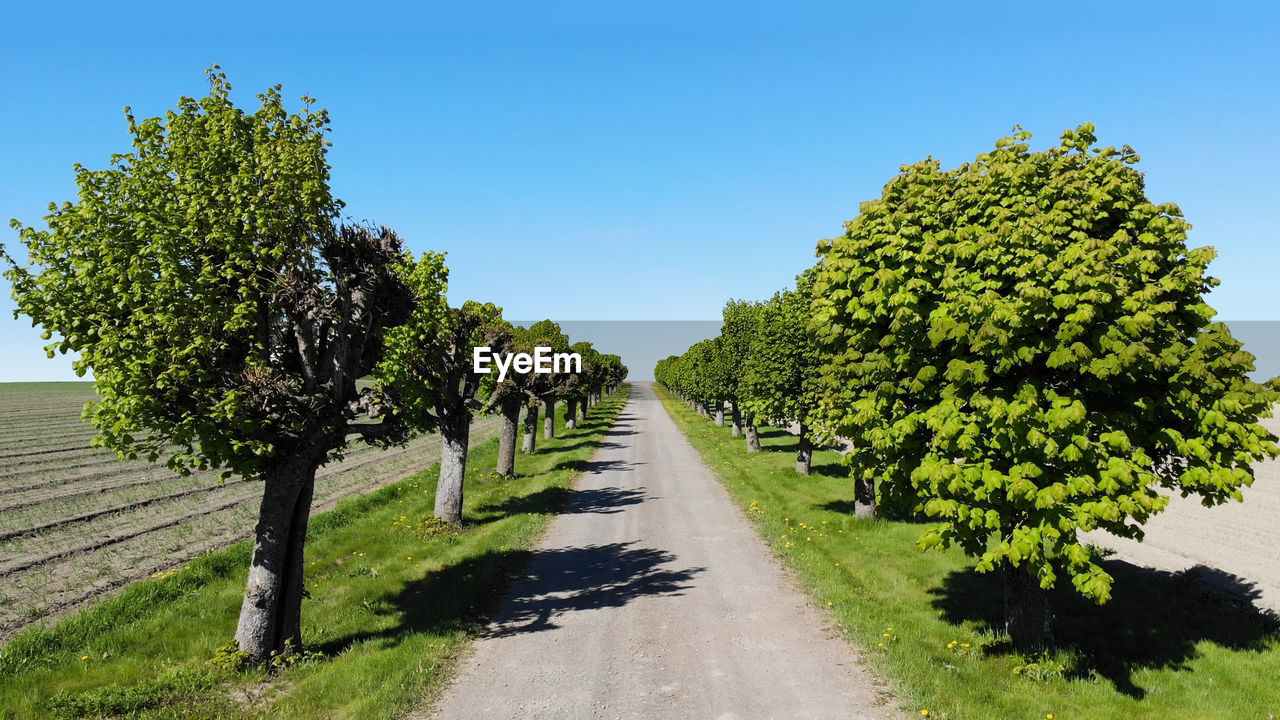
column 84, row 657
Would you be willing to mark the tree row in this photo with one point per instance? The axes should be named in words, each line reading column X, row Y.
column 1018, row 349
column 232, row 318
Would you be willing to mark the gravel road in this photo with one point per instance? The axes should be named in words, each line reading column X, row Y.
column 652, row 597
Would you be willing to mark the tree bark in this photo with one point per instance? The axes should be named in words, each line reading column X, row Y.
column 719, row 413
column 549, row 422
column 864, row 498
column 510, row 410
column 1027, row 618
column 804, row 451
column 753, row 434
column 570, row 413
column 455, row 436
column 737, row 420
column 271, row 613
column 530, row 430
column 582, row 410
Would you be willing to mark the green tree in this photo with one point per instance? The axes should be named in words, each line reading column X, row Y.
column 1022, row 344
column 580, row 391
column 548, row 388
column 741, row 319
column 224, row 315
column 780, row 375
column 507, row 397
column 429, row 361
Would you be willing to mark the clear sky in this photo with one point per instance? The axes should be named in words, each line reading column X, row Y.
column 587, row 161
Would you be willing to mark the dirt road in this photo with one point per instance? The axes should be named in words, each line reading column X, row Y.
column 652, row 597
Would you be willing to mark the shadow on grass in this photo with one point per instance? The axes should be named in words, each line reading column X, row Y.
column 897, row 510
column 832, row 470
column 1154, row 619
column 774, row 433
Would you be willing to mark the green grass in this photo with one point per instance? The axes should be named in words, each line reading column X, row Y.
column 1164, row 647
column 391, row 607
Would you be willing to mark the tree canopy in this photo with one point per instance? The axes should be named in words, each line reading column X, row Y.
column 1023, row 342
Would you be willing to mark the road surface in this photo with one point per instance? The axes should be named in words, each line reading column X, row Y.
column 652, row 597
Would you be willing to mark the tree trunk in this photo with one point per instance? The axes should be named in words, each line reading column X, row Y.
column 804, row 451
column 455, row 435
column 737, row 420
column 549, row 422
column 531, row 430
column 702, row 410
column 864, row 498
column 1027, row 618
column 753, row 434
column 719, row 413
column 582, row 409
column 570, row 413
column 507, row 438
column 271, row 613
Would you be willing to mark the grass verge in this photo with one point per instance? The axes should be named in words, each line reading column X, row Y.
column 1165, row 646
column 393, row 600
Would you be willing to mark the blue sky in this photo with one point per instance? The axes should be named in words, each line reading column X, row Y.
column 587, row 161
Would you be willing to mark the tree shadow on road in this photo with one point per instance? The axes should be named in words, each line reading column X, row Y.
column 563, row 580
column 596, row 466
column 604, row 501
column 1154, row 620
column 591, row 443
column 557, row 581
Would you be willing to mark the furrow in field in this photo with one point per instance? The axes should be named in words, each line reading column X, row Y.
column 117, row 474
column 65, row 468
column 40, row 451
column 41, row 593
column 21, row 523
column 29, row 561
column 116, row 509
column 90, row 484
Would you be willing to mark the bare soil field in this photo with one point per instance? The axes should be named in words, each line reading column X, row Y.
column 1235, row 546
column 76, row 523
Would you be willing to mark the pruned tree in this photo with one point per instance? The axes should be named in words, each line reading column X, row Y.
column 1021, row 344
column 579, row 392
column 548, row 388
column 508, row 396
column 225, row 317
column 431, row 359
column 615, row 374
column 608, row 371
